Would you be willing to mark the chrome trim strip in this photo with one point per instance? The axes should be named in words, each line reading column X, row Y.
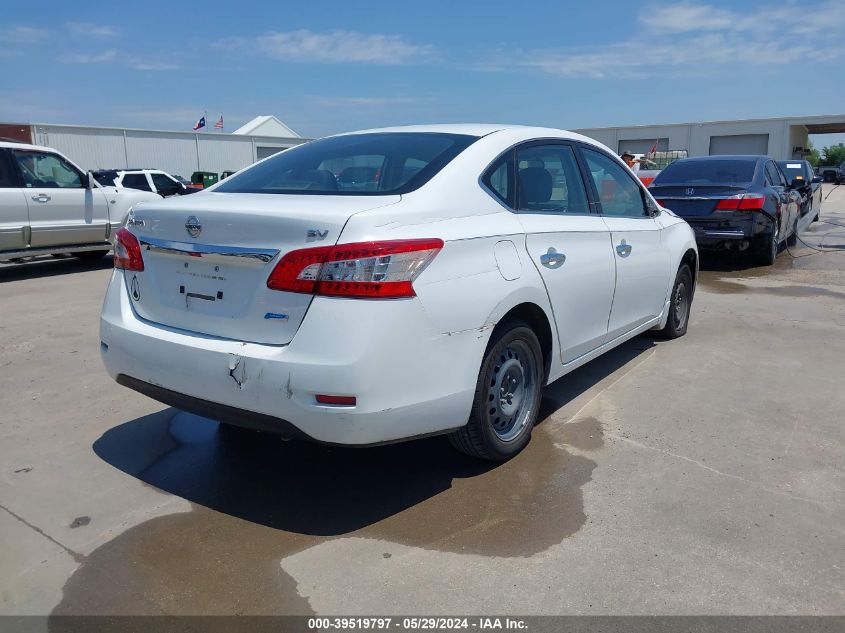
column 202, row 250
column 736, row 234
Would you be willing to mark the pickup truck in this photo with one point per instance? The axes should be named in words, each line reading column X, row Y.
column 49, row 206
column 832, row 173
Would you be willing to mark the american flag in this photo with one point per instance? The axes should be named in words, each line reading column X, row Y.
column 219, row 124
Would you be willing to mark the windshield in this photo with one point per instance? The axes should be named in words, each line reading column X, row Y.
column 690, row 172
column 357, row 164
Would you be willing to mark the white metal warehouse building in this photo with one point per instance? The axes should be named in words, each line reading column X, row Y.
column 781, row 138
column 179, row 153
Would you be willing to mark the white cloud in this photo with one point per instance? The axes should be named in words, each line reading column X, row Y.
column 23, row 35
column 695, row 39
column 89, row 29
column 332, row 47
column 89, row 58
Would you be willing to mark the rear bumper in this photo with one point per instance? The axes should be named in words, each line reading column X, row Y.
column 727, row 232
column 409, row 380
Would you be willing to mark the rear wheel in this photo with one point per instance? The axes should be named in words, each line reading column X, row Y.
column 767, row 252
column 507, row 395
column 90, row 256
column 680, row 304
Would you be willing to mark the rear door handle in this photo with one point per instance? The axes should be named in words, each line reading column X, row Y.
column 623, row 249
column 42, row 197
column 552, row 259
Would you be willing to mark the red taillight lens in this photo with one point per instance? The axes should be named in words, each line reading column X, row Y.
column 366, row 269
column 127, row 251
column 661, row 202
column 741, row 202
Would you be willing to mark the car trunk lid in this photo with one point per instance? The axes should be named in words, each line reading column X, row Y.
column 694, row 200
column 207, row 258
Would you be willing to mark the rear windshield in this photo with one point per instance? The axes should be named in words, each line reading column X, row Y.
column 691, row 172
column 358, row 164
column 793, row 168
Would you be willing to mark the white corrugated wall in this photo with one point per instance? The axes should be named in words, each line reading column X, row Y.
column 90, row 149
column 223, row 153
column 179, row 153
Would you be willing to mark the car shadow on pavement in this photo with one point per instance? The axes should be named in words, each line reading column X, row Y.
column 327, row 491
column 51, row 266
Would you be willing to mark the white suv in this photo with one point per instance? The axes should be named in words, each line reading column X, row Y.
column 50, row 206
column 154, row 180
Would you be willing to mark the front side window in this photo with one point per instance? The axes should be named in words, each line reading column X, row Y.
column 620, row 196
column 136, row 181
column 164, row 184
column 43, row 170
column 549, row 181
column 355, row 164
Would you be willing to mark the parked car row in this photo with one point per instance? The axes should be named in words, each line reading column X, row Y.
column 832, row 173
column 48, row 205
column 740, row 203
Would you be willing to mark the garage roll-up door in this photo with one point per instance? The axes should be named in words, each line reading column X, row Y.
column 262, row 151
column 642, row 145
column 739, row 144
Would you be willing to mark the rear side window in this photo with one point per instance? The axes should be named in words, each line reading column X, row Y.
column 619, row 194
column 705, row 171
column 774, row 175
column 8, row 178
column 548, row 180
column 499, row 179
column 357, row 164
column 136, row 181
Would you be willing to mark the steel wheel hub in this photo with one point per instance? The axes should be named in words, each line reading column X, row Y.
column 509, row 393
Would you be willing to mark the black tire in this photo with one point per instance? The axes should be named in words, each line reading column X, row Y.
column 90, row 256
column 680, row 304
column 507, row 395
column 767, row 250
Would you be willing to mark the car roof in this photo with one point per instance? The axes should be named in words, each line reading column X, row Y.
column 14, row 145
column 745, row 157
column 476, row 129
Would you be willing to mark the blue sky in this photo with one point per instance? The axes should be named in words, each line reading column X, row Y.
column 325, row 67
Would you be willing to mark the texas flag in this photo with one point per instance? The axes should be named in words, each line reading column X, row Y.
column 200, row 123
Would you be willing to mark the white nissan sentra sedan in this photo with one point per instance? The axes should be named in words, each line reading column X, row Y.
column 389, row 284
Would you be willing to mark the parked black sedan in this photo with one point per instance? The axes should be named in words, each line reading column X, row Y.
column 799, row 173
column 741, row 203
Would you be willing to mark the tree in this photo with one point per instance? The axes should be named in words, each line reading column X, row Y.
column 833, row 155
column 813, row 157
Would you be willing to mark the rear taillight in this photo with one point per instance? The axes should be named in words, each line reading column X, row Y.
column 127, row 251
column 660, row 201
column 741, row 202
column 366, row 269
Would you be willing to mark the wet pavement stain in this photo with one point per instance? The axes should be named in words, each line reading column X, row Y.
column 721, row 285
column 256, row 500
column 585, row 435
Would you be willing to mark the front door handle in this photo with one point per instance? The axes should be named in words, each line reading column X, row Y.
column 552, row 259
column 42, row 197
column 623, row 249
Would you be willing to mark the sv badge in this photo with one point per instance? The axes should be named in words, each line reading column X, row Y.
column 316, row 234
